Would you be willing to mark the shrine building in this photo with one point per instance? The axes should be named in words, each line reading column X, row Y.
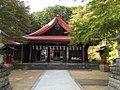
column 51, row 44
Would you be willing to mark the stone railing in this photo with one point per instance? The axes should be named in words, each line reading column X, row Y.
column 4, row 81
column 114, row 78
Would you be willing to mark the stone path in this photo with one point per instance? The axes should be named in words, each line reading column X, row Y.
column 56, row 80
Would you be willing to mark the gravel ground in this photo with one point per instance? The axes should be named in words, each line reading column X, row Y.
column 23, row 79
column 93, row 76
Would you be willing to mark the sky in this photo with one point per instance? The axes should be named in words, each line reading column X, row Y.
column 38, row 5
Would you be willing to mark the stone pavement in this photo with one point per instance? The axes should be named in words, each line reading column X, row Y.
column 56, row 80
column 88, row 79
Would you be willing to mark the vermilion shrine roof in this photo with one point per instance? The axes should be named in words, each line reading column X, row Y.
column 37, row 35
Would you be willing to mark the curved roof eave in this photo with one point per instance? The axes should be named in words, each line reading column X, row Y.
column 50, row 25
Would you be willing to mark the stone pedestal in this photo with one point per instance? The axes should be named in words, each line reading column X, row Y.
column 114, row 78
column 4, row 81
column 1, row 58
column 104, row 68
column 9, row 66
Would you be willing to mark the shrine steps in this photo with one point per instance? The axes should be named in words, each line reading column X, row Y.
column 55, row 66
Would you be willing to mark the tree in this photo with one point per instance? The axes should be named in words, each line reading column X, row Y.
column 105, row 18
column 98, row 20
column 14, row 18
column 79, row 25
column 43, row 17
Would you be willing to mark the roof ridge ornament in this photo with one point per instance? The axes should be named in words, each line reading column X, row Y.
column 57, row 15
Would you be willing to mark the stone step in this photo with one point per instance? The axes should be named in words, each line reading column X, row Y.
column 60, row 66
column 93, row 82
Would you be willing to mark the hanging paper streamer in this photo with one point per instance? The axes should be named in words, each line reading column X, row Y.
column 73, row 48
column 33, row 47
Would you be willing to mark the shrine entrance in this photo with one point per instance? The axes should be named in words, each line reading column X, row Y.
column 56, row 53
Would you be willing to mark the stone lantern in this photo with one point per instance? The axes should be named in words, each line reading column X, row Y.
column 117, row 38
column 4, row 81
column 114, row 77
column 2, row 34
column 1, row 45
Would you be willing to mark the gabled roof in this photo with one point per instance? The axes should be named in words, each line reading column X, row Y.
column 37, row 35
column 50, row 25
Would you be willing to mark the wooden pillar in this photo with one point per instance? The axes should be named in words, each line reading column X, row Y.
column 34, row 54
column 30, row 53
column 48, row 56
column 86, row 53
column 21, row 58
column 83, row 53
column 67, row 54
column 76, row 52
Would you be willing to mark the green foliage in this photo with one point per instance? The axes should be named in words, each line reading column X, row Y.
column 112, row 53
column 105, row 18
column 78, row 23
column 39, row 19
column 14, row 18
column 100, row 19
column 2, row 52
column 97, row 21
column 109, row 53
